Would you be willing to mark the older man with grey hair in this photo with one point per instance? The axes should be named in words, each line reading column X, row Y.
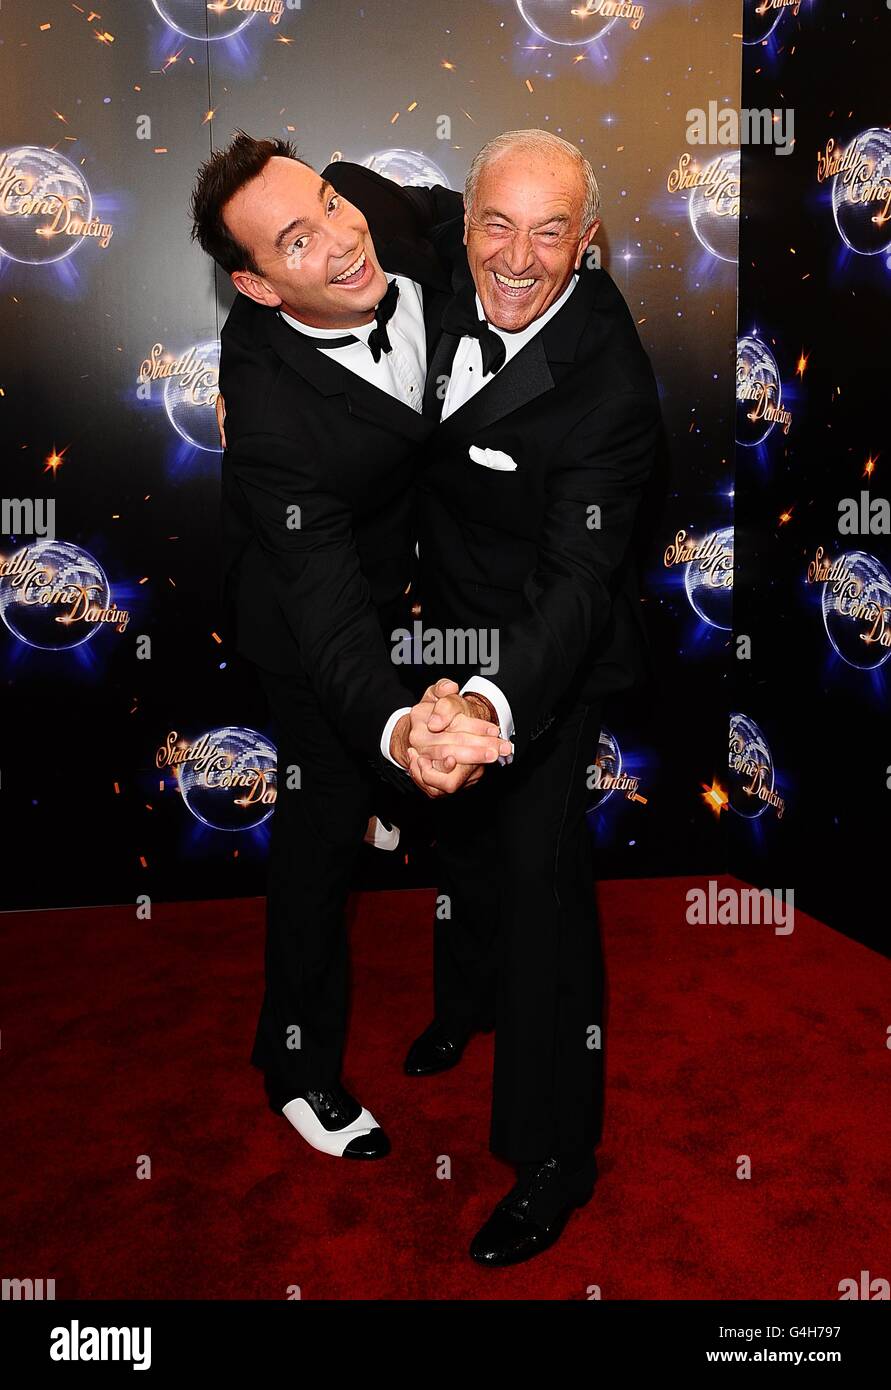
column 549, row 431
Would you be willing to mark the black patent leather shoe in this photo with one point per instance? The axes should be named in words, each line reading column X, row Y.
column 533, row 1214
column 439, row 1048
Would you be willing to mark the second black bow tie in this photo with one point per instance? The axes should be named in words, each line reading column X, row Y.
column 461, row 319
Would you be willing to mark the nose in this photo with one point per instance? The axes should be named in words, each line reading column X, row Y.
column 347, row 231
column 343, row 250
column 518, row 256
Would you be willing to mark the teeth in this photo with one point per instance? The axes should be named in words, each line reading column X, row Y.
column 515, row 284
column 344, row 275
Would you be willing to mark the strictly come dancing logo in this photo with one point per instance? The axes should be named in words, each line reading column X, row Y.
column 188, row 384
column 46, row 207
column 761, row 17
column 759, row 393
column 226, row 777
column 711, row 192
column 409, row 168
column 210, row 20
column 855, row 601
column 581, row 22
column 607, row 774
column 55, row 596
column 859, row 176
column 752, row 776
column 707, row 567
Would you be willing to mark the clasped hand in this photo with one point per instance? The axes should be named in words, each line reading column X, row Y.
column 447, row 740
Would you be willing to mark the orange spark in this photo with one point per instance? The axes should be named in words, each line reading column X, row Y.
column 53, row 462
column 715, row 797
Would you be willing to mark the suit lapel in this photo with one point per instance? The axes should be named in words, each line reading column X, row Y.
column 439, row 366
column 331, row 378
column 522, row 379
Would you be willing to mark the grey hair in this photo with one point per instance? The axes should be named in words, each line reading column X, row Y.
column 534, row 140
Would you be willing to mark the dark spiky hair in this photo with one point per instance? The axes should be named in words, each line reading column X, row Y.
column 219, row 179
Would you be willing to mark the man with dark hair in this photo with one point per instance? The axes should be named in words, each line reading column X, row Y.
column 323, row 367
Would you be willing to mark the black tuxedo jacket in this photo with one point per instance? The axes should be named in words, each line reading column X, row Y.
column 545, row 555
column 318, row 534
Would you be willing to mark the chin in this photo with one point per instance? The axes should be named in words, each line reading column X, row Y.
column 511, row 322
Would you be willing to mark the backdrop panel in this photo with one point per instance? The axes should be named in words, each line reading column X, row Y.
column 136, row 758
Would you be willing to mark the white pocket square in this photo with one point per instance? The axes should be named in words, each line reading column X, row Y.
column 493, row 458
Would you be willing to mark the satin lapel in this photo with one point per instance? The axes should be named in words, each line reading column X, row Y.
column 439, row 369
column 522, row 379
column 528, row 374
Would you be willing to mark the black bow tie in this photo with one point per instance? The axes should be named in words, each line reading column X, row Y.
column 378, row 338
column 460, row 319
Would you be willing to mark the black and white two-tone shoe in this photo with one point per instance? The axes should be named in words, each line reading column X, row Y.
column 334, row 1122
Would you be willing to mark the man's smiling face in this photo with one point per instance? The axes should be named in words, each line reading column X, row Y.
column 523, row 234
column 313, row 248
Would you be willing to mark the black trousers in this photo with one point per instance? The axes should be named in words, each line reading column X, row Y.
column 522, row 941
column 325, row 797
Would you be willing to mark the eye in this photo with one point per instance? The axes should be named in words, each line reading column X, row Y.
column 496, row 229
column 334, row 202
column 298, row 245
column 550, row 236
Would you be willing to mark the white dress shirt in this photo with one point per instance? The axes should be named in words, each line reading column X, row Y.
column 400, row 372
column 465, row 380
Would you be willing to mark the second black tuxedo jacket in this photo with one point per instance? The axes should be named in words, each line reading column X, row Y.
column 545, row 554
column 315, row 592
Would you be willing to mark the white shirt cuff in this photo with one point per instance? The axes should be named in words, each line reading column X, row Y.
column 388, row 734
column 498, row 700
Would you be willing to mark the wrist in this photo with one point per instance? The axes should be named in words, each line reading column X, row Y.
column 399, row 740
column 480, row 707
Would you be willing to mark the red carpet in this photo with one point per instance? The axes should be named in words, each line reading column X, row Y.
column 123, row 1038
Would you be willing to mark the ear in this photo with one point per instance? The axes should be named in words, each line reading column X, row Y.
column 255, row 288
column 586, row 240
column 466, row 223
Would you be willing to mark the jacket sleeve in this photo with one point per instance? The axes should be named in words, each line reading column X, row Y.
column 409, row 211
column 594, row 489
column 305, row 532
